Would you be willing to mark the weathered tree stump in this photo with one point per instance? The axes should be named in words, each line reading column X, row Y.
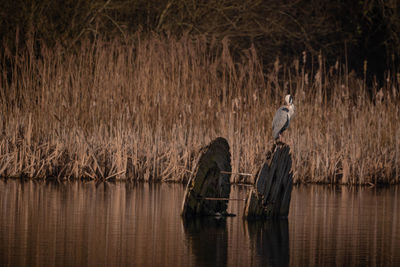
column 270, row 196
column 207, row 191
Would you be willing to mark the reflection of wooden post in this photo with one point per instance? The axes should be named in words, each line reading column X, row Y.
column 270, row 196
column 207, row 240
column 269, row 238
column 207, row 181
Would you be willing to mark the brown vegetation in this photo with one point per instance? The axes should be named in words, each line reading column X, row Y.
column 142, row 109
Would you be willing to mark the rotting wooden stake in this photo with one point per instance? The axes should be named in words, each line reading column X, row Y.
column 237, row 173
column 223, row 172
column 220, row 198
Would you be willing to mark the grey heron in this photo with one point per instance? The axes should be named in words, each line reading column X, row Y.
column 282, row 118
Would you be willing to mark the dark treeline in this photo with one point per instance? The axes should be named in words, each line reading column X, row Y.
column 357, row 32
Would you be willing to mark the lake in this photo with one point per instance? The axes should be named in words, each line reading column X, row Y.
column 138, row 224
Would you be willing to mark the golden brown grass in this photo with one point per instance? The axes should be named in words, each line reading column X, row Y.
column 141, row 109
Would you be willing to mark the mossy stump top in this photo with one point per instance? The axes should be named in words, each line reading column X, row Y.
column 208, row 189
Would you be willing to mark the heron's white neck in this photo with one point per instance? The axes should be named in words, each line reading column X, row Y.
column 291, row 110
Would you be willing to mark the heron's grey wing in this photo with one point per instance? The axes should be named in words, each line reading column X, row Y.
column 280, row 122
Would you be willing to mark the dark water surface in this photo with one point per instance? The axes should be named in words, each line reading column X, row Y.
column 121, row 224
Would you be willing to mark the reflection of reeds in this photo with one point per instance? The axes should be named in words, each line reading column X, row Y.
column 141, row 110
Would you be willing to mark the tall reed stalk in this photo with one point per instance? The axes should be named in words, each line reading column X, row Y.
column 142, row 108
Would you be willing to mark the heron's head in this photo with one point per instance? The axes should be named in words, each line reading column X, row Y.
column 288, row 100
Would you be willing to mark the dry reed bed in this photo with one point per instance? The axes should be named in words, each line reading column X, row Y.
column 142, row 109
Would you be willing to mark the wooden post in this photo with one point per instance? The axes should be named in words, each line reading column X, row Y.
column 207, row 182
column 270, row 196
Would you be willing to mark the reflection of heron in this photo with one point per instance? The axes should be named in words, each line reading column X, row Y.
column 282, row 118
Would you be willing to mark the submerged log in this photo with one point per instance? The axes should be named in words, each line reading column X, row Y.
column 270, row 196
column 207, row 183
